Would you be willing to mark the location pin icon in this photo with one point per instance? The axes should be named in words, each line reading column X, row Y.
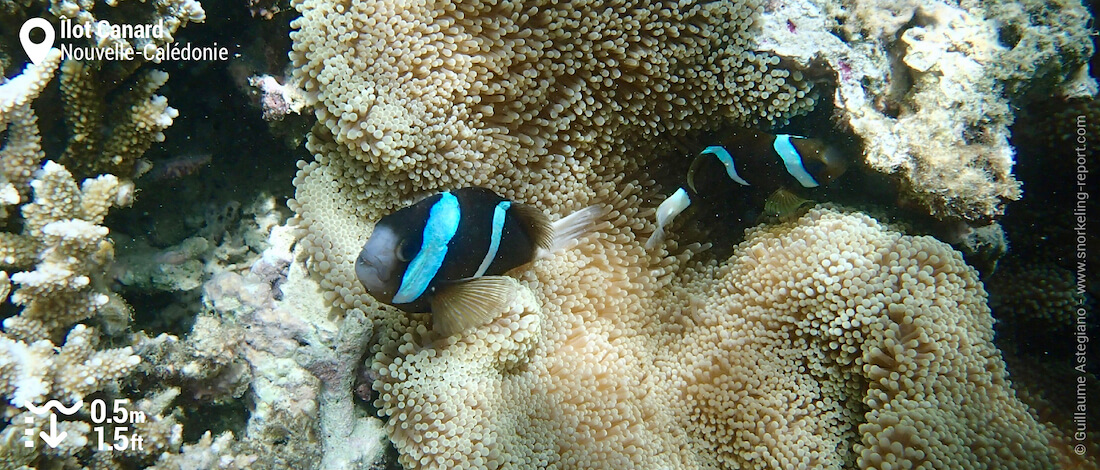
column 38, row 51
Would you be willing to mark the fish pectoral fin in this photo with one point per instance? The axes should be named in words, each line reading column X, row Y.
column 783, row 202
column 470, row 303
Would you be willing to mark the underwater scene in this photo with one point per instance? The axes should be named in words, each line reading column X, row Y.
column 543, row 234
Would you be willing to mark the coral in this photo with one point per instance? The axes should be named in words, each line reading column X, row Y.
column 170, row 14
column 135, row 122
column 827, row 342
column 296, row 364
column 226, row 239
column 33, row 373
column 102, row 139
column 928, row 86
column 14, row 453
column 177, row 268
column 72, row 250
column 161, row 433
column 25, row 87
column 79, row 369
column 69, row 253
column 25, row 370
column 1044, row 45
column 246, row 342
column 207, row 365
column 206, row 453
column 22, row 153
column 277, row 99
column 5, row 286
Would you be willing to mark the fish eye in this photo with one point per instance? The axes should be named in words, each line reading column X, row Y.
column 405, row 251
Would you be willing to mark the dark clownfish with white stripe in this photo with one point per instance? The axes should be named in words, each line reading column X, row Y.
column 770, row 162
column 445, row 254
column 769, row 168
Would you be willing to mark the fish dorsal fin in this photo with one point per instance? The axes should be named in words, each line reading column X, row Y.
column 574, row 226
column 469, row 303
column 539, row 227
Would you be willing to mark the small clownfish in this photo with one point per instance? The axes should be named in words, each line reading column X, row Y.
column 771, row 162
column 767, row 165
column 445, row 254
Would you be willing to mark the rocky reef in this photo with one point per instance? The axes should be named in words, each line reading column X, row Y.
column 157, row 257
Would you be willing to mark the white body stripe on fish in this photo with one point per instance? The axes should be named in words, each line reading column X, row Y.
column 793, row 161
column 727, row 161
column 499, row 213
column 441, row 227
column 672, row 206
column 668, row 210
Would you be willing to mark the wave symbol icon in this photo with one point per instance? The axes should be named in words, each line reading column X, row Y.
column 41, row 410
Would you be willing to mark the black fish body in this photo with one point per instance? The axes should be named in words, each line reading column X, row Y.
column 445, row 253
column 763, row 171
column 766, row 162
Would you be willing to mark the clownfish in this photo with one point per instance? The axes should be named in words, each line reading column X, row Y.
column 771, row 162
column 766, row 165
column 445, row 254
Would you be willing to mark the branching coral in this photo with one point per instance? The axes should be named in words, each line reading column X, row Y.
column 21, row 153
column 69, row 251
column 172, row 14
column 32, row 373
column 206, row 453
column 135, row 122
column 60, row 226
column 102, row 139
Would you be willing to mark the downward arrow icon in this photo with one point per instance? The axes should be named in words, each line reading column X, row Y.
column 53, row 438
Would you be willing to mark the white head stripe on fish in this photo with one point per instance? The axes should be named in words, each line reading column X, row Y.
column 441, row 227
column 499, row 214
column 727, row 161
column 793, row 161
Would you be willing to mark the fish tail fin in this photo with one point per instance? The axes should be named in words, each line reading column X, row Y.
column 656, row 238
column 572, row 227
